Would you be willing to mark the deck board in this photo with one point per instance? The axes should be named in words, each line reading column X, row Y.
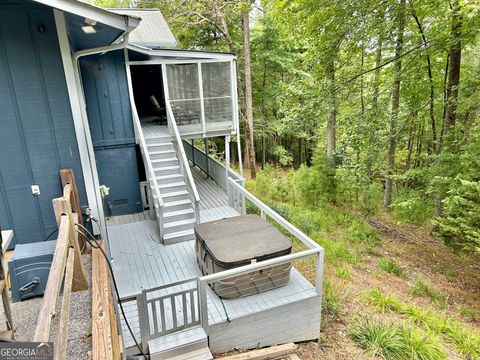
column 152, row 264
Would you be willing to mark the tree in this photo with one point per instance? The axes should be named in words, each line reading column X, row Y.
column 392, row 141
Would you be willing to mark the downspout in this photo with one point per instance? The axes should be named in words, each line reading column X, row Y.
column 78, row 83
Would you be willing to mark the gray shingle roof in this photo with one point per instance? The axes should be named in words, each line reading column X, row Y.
column 153, row 30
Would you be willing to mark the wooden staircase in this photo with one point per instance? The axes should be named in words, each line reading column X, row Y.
column 189, row 344
column 178, row 214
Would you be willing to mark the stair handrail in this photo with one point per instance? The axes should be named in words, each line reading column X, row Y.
column 150, row 173
column 183, row 160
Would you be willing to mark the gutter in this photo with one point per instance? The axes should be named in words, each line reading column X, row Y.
column 83, row 108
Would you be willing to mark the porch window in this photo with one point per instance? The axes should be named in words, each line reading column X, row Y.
column 201, row 96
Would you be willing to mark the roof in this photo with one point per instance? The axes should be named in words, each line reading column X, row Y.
column 120, row 21
column 153, row 30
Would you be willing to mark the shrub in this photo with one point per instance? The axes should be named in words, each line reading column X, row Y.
column 391, row 267
column 458, row 226
column 379, row 338
column 412, row 207
column 359, row 232
column 424, row 289
column 383, row 302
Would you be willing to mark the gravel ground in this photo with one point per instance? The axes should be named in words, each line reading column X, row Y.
column 25, row 314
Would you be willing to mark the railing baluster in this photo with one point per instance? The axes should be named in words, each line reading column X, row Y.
column 192, row 306
column 162, row 315
column 154, row 316
column 184, row 306
column 174, row 311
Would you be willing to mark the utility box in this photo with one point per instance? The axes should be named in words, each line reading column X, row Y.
column 29, row 268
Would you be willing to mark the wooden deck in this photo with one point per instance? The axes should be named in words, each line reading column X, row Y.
column 142, row 263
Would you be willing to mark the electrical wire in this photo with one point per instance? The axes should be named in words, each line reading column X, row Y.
column 50, row 235
column 96, row 245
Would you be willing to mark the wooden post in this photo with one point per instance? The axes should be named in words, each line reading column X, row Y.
column 61, row 206
column 67, row 177
column 105, row 337
column 62, row 334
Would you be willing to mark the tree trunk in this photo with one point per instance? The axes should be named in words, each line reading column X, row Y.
column 392, row 143
column 332, row 113
column 248, row 95
column 455, row 58
column 430, row 79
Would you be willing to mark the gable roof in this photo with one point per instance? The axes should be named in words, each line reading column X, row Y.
column 153, row 30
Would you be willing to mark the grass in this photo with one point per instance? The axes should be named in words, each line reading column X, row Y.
column 331, row 301
column 424, row 289
column 393, row 341
column 344, row 273
column 383, row 302
column 464, row 339
column 467, row 312
column 389, row 266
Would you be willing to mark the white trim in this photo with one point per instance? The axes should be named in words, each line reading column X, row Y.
column 119, row 21
column 176, row 61
column 202, row 100
column 82, row 132
column 181, row 53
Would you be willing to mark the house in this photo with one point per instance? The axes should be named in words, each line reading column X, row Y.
column 105, row 92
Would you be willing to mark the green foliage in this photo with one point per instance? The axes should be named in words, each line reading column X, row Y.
column 390, row 266
column 361, row 233
column 396, row 341
column 467, row 312
column 383, row 302
column 424, row 289
column 331, row 305
column 412, row 207
column 464, row 339
column 344, row 273
column 459, row 226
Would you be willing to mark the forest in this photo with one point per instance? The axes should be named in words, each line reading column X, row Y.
column 361, row 125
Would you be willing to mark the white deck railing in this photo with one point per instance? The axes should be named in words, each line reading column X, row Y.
column 158, row 205
column 182, row 159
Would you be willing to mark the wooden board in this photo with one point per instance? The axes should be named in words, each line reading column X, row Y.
column 105, row 343
column 273, row 352
column 7, row 236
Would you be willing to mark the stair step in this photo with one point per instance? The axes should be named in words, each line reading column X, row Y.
column 178, row 343
column 179, row 215
column 200, row 354
column 158, row 139
column 178, row 205
column 159, row 164
column 180, row 225
column 154, row 155
column 176, row 195
column 156, row 147
column 178, row 236
column 172, row 187
column 167, row 170
column 170, row 178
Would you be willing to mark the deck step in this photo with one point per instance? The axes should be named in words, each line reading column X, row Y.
column 179, row 215
column 161, row 163
column 172, row 187
column 167, row 170
column 176, row 196
column 178, row 236
column 200, row 354
column 178, row 343
column 155, row 155
column 155, row 147
column 179, row 225
column 178, row 205
column 170, row 178
column 158, row 139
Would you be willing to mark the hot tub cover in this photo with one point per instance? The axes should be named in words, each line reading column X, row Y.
column 240, row 240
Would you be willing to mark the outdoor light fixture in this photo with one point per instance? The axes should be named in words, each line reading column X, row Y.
column 89, row 26
column 88, row 29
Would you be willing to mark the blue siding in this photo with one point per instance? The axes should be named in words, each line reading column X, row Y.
column 37, row 136
column 110, row 118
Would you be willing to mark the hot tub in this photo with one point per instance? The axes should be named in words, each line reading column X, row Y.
column 229, row 243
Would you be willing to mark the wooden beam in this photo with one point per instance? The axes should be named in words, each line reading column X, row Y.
column 62, row 334
column 4, row 291
column 55, row 277
column 105, row 344
column 62, row 206
column 273, row 352
column 80, row 282
column 68, row 178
